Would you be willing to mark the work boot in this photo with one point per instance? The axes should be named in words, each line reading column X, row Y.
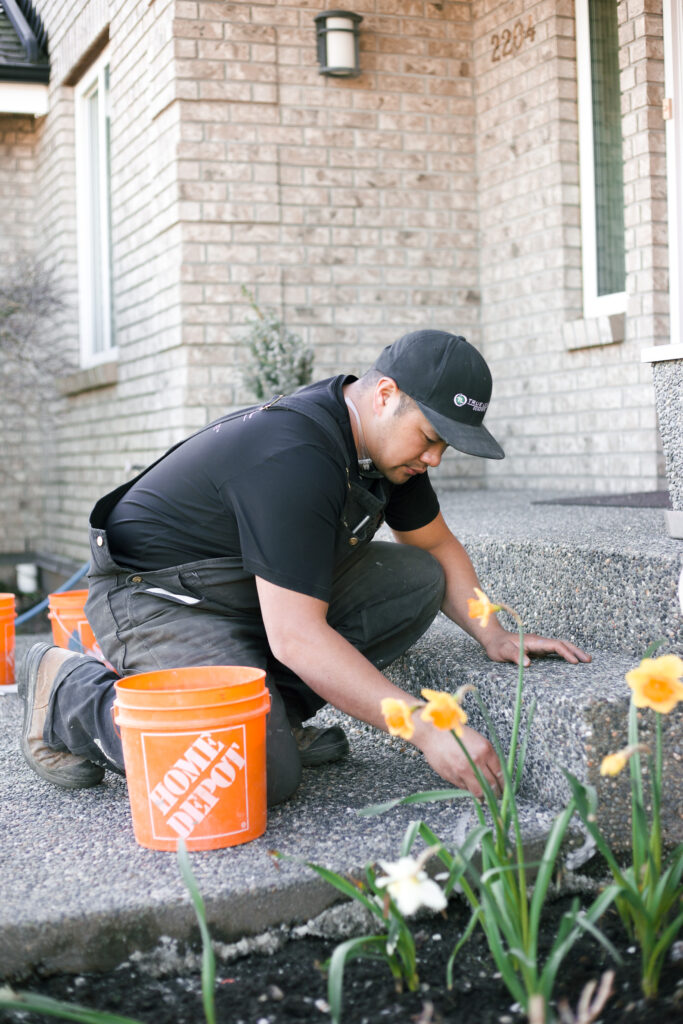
column 36, row 677
column 318, row 746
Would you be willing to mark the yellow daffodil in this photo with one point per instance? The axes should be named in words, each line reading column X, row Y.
column 656, row 683
column 399, row 717
column 443, row 711
column 410, row 887
column 614, row 763
column 481, row 608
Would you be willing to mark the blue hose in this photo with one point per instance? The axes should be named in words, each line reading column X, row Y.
column 42, row 605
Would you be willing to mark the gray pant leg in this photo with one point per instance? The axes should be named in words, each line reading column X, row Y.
column 142, row 632
column 382, row 602
column 80, row 720
column 386, row 599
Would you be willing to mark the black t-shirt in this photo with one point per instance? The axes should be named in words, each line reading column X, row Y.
column 267, row 486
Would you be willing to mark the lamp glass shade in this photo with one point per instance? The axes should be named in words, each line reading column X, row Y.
column 341, row 50
column 338, row 43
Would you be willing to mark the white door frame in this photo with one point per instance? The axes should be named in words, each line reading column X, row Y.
column 673, row 78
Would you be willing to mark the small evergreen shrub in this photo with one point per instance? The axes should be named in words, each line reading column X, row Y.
column 280, row 362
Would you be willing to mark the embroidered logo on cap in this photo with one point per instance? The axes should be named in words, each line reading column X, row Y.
column 461, row 400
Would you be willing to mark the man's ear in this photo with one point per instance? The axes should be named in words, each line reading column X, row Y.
column 385, row 389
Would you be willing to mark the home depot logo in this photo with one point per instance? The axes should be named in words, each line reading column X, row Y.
column 197, row 780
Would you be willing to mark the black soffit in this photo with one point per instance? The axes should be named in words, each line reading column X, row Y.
column 23, row 44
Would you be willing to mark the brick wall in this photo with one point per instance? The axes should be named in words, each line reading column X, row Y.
column 110, row 420
column 348, row 205
column 440, row 187
column 18, row 137
column 571, row 414
column 641, row 60
column 20, row 459
column 642, row 84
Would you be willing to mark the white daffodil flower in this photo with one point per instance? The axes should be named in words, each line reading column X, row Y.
column 409, row 885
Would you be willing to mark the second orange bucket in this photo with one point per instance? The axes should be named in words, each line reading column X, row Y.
column 70, row 626
column 194, row 750
column 7, row 614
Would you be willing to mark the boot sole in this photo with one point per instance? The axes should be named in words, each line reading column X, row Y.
column 314, row 756
column 26, row 688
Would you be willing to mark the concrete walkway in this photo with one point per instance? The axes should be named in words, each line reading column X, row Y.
column 77, row 893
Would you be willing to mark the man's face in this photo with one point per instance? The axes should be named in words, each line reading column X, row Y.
column 405, row 442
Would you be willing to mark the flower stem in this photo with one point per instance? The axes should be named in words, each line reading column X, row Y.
column 656, row 829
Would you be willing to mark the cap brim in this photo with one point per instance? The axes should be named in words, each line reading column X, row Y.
column 473, row 440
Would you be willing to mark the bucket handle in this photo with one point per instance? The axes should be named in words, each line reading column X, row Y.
column 113, row 718
column 54, row 614
column 95, row 650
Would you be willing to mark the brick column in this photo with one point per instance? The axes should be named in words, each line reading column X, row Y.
column 641, row 57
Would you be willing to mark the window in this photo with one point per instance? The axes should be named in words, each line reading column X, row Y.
column 94, row 214
column 601, row 158
column 673, row 63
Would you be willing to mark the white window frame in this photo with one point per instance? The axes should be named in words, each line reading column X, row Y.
column 94, row 260
column 594, row 305
column 673, row 74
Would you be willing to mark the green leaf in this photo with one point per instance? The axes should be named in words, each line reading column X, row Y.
column 521, row 756
column 347, row 951
column 396, row 926
column 411, row 834
column 502, row 959
column 431, row 796
column 27, row 1002
column 544, row 876
column 566, row 940
column 667, row 937
column 208, row 958
column 346, row 887
column 489, row 795
column 654, row 646
column 523, row 957
column 586, row 804
column 459, row 944
column 587, row 925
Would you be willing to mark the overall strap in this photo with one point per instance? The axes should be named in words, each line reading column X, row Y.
column 103, row 507
column 324, row 419
column 293, row 403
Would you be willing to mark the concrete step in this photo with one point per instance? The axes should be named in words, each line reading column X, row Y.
column 604, row 578
column 581, row 714
column 77, row 893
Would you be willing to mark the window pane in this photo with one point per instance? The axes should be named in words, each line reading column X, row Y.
column 108, row 269
column 96, row 227
column 608, row 157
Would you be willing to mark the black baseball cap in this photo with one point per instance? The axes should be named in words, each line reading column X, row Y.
column 450, row 382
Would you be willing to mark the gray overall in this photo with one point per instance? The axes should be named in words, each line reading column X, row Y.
column 384, row 596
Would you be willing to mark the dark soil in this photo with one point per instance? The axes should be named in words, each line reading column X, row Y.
column 289, row 985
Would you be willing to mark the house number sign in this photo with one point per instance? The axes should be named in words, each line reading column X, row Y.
column 509, row 41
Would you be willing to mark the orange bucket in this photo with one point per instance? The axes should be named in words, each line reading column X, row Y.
column 7, row 617
column 70, row 626
column 194, row 750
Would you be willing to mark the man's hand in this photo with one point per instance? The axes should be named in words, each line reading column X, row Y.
column 302, row 639
column 448, row 760
column 504, row 646
column 461, row 581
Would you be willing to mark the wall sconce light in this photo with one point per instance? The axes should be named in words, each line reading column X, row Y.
column 337, row 33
